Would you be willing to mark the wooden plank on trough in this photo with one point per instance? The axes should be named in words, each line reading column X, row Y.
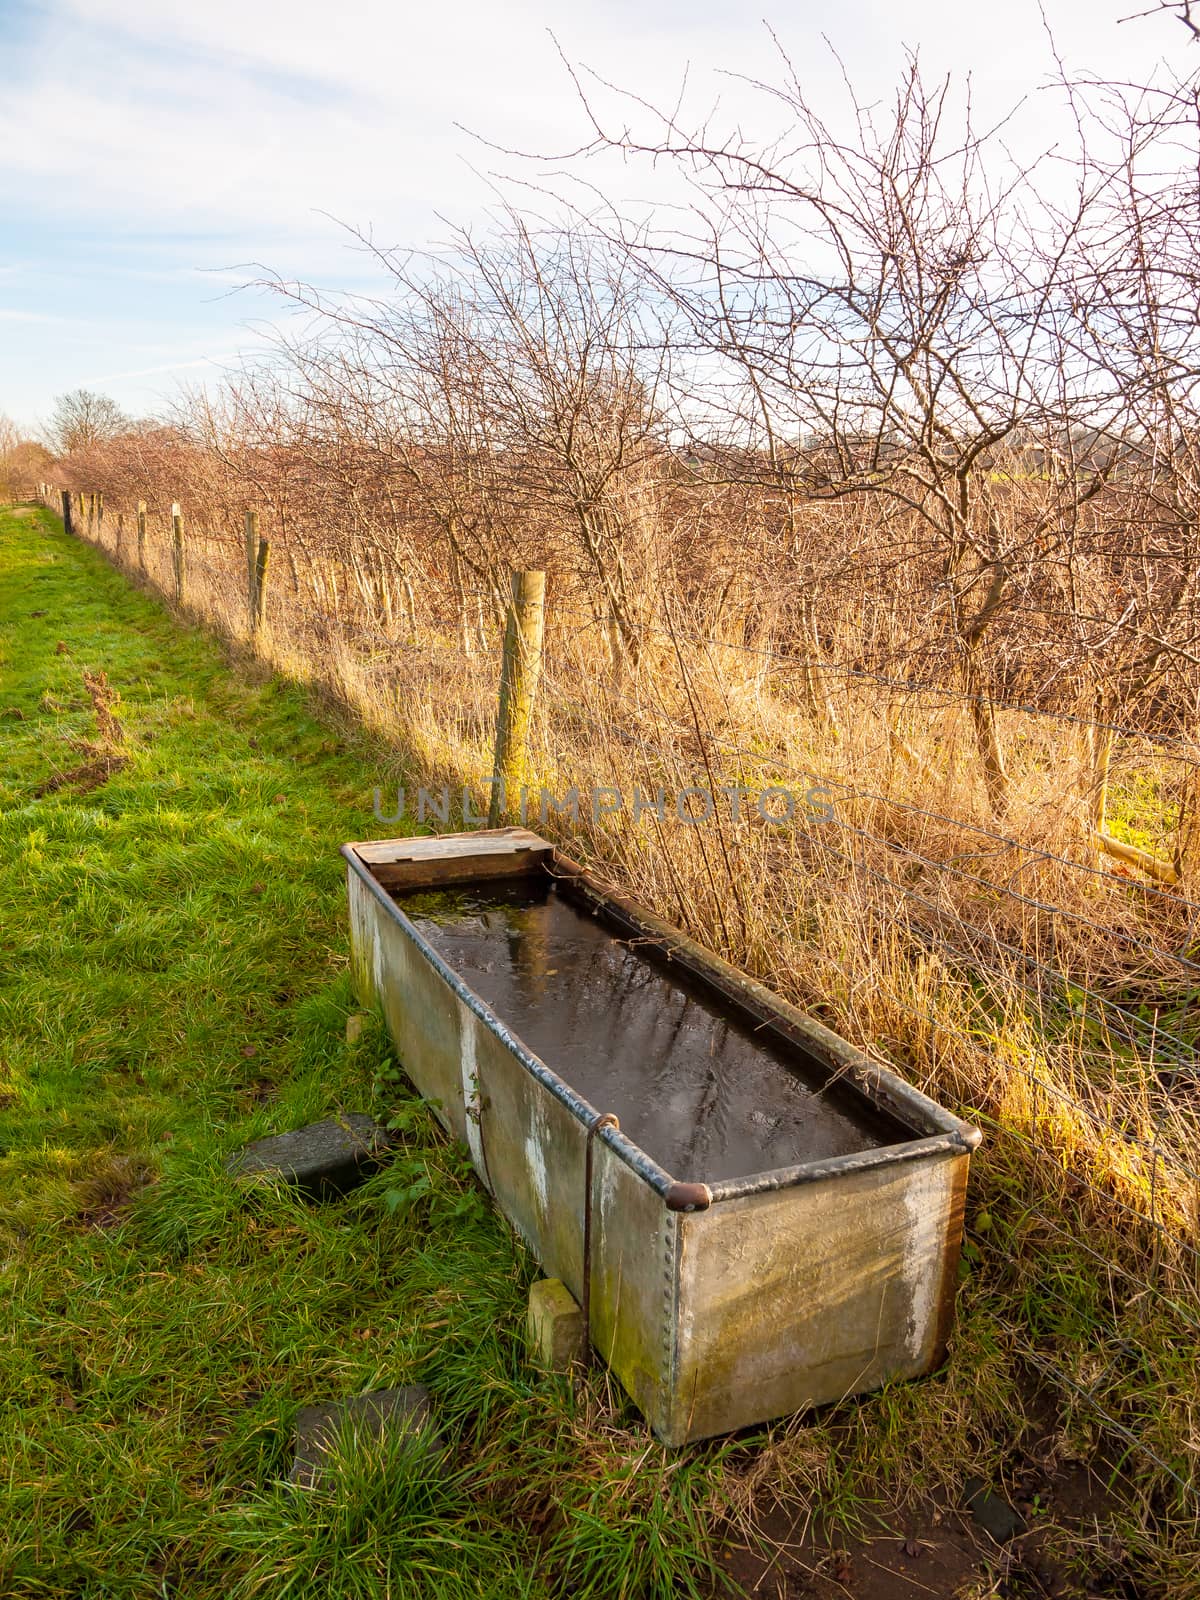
column 500, row 841
column 454, row 858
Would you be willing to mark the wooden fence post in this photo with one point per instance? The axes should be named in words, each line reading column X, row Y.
column 251, row 531
column 120, row 535
column 177, row 550
column 258, row 556
column 260, row 583
column 66, row 510
column 98, row 498
column 141, row 535
column 518, row 685
column 84, row 528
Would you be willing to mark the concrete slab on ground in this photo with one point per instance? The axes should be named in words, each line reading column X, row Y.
column 369, row 1417
column 323, row 1160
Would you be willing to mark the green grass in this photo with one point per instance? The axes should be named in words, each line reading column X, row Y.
column 174, row 983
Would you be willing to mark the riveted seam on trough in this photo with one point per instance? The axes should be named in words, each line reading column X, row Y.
column 948, row 1287
column 604, row 1119
column 631, row 1154
column 672, row 1268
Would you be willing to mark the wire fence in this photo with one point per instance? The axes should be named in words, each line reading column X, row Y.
column 1043, row 986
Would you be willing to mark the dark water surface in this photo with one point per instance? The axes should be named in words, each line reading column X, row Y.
column 699, row 1093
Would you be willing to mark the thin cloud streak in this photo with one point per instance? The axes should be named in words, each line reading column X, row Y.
column 8, row 314
column 169, row 366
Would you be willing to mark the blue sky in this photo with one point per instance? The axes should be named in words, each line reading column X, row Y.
column 152, row 151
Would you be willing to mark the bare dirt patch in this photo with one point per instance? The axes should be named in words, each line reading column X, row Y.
column 84, row 778
column 106, row 1195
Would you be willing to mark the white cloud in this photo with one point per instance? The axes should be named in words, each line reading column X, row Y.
column 249, row 116
column 154, row 148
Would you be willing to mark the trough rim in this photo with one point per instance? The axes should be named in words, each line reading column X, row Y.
column 944, row 1133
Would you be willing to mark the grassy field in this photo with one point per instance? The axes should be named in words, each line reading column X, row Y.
column 173, row 984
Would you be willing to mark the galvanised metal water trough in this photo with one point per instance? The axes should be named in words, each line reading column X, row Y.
column 755, row 1217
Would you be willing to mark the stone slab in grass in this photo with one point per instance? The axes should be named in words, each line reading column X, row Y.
column 323, row 1160
column 369, row 1417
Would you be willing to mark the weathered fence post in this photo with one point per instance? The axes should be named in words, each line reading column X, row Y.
column 84, row 528
column 98, row 499
column 120, row 551
column 177, row 550
column 66, row 510
column 258, row 555
column 260, row 583
column 518, row 685
column 141, row 535
column 251, row 558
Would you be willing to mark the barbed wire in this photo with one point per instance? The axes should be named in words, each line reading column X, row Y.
column 1056, row 1375
column 893, row 845
column 1171, row 897
column 950, row 695
column 814, row 662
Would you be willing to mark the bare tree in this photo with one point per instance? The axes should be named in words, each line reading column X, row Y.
column 511, row 385
column 82, row 419
column 880, row 316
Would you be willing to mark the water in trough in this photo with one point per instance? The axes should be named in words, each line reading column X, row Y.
column 693, row 1087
